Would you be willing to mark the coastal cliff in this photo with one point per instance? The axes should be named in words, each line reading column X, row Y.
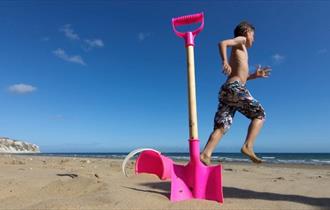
column 13, row 146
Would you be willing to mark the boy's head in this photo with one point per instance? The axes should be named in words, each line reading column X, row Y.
column 245, row 29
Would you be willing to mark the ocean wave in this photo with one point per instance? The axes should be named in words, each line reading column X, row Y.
column 228, row 159
column 112, row 156
column 268, row 157
column 321, row 161
column 180, row 157
column 292, row 161
column 310, row 162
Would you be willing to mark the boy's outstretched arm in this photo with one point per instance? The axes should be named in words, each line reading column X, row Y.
column 223, row 45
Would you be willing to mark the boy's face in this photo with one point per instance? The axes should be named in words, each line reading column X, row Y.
column 249, row 38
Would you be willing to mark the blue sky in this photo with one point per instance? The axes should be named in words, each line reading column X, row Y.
column 110, row 76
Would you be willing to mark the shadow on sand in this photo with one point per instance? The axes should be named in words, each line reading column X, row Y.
column 233, row 192
column 164, row 188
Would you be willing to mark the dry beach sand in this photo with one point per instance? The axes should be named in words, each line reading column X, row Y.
column 36, row 182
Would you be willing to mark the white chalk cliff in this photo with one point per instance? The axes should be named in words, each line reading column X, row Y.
column 13, row 146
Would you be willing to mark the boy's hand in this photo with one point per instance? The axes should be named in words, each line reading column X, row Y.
column 226, row 68
column 263, row 72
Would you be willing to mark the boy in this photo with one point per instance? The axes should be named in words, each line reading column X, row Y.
column 234, row 96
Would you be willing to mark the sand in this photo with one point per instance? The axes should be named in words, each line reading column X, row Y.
column 36, row 182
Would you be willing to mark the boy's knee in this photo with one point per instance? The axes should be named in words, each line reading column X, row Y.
column 261, row 119
column 219, row 131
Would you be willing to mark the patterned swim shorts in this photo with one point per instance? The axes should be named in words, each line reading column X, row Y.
column 234, row 96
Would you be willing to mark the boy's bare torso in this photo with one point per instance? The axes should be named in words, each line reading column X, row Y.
column 239, row 64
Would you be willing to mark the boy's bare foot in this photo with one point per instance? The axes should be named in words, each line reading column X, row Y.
column 206, row 160
column 249, row 152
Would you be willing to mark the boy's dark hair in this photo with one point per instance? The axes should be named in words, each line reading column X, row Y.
column 242, row 28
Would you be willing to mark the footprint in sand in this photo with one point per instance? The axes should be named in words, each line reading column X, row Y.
column 69, row 175
column 279, row 179
column 72, row 187
column 17, row 162
column 315, row 177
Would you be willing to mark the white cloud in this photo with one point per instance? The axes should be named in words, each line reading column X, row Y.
column 142, row 36
column 277, row 58
column 45, row 39
column 69, row 32
column 73, row 59
column 94, row 43
column 21, row 88
column 322, row 51
column 58, row 117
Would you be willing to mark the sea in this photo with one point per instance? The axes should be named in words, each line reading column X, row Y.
column 273, row 158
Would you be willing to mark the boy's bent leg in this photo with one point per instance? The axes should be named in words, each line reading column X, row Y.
column 254, row 129
column 212, row 142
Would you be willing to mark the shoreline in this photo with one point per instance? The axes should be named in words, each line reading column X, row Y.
column 180, row 161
